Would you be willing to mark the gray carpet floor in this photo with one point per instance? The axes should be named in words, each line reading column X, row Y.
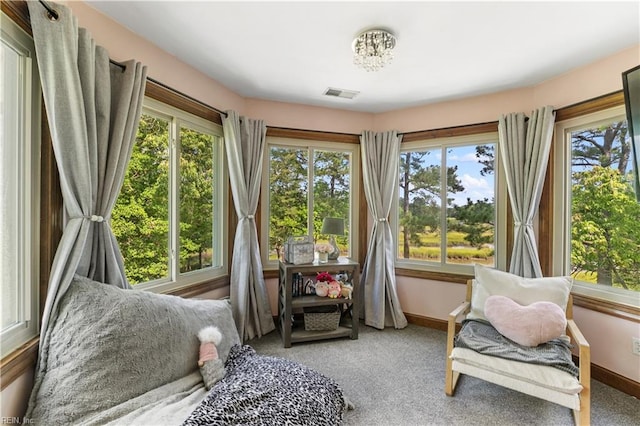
column 396, row 377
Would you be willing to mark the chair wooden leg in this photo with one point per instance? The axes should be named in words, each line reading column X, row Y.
column 450, row 376
column 582, row 417
column 450, row 380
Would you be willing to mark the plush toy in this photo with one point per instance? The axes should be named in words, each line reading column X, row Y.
column 211, row 366
column 334, row 290
column 347, row 290
column 342, row 277
column 324, row 276
column 322, row 288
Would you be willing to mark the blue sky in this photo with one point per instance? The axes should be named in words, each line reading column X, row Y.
column 477, row 187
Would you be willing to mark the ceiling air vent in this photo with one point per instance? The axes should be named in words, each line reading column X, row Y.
column 341, row 93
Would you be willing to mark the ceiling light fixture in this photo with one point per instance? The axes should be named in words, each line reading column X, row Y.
column 373, row 49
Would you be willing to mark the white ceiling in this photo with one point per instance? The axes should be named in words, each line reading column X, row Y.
column 293, row 51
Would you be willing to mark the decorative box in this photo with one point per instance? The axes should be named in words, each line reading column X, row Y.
column 298, row 250
column 321, row 318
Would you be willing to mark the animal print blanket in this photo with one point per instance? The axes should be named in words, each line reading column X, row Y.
column 263, row 390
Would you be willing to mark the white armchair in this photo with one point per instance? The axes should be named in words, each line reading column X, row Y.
column 542, row 381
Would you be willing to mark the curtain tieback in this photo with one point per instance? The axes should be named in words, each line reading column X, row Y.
column 249, row 216
column 382, row 219
column 92, row 218
column 518, row 223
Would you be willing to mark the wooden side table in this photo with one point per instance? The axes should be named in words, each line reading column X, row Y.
column 348, row 327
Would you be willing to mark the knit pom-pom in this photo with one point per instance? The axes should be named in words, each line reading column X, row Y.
column 210, row 334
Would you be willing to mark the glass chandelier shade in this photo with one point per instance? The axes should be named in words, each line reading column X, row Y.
column 373, row 49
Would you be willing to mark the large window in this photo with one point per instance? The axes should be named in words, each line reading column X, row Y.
column 169, row 217
column 446, row 206
column 19, row 187
column 304, row 182
column 597, row 214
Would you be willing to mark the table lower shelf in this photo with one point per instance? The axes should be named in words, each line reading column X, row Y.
column 307, row 336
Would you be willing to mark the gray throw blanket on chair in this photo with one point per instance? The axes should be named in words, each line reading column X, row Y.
column 481, row 337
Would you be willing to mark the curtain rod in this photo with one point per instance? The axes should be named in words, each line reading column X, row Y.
column 53, row 15
column 184, row 95
column 51, row 12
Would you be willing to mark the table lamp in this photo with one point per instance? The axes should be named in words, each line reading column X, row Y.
column 333, row 226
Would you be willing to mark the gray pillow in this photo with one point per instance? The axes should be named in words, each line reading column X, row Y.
column 110, row 345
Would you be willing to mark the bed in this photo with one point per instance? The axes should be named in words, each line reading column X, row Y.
column 129, row 357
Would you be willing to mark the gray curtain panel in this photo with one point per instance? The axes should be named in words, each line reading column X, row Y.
column 380, row 156
column 245, row 141
column 524, row 149
column 93, row 108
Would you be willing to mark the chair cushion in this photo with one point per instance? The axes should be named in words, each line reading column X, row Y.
column 502, row 370
column 524, row 291
column 528, row 325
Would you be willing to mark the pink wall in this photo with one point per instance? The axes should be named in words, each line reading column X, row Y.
column 479, row 109
column 15, row 397
column 122, row 45
column 588, row 82
column 298, row 116
column 610, row 341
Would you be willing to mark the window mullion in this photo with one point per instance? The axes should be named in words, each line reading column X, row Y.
column 174, row 196
column 310, row 191
column 443, row 206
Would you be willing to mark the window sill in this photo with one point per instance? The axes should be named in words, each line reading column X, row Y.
column 17, row 362
column 197, row 289
column 612, row 302
column 431, row 275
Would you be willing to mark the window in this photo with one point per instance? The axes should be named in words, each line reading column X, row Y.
column 169, row 217
column 597, row 215
column 446, row 211
column 304, row 182
column 19, row 187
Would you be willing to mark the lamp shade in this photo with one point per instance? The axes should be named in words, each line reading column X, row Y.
column 333, row 226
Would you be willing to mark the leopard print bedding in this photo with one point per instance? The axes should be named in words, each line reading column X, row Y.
column 264, row 390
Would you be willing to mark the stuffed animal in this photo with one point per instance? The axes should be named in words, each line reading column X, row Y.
column 334, row 290
column 211, row 366
column 322, row 288
column 324, row 276
column 346, row 290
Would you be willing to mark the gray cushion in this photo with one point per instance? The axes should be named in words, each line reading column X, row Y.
column 110, row 345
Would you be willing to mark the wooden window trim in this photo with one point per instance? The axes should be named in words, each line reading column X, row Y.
column 449, row 132
column 317, row 135
column 601, row 103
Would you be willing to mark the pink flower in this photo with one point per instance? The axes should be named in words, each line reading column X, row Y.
column 324, row 248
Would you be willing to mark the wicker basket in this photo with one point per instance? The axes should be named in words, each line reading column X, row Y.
column 321, row 318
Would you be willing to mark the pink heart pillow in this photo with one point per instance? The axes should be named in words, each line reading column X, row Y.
column 528, row 325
